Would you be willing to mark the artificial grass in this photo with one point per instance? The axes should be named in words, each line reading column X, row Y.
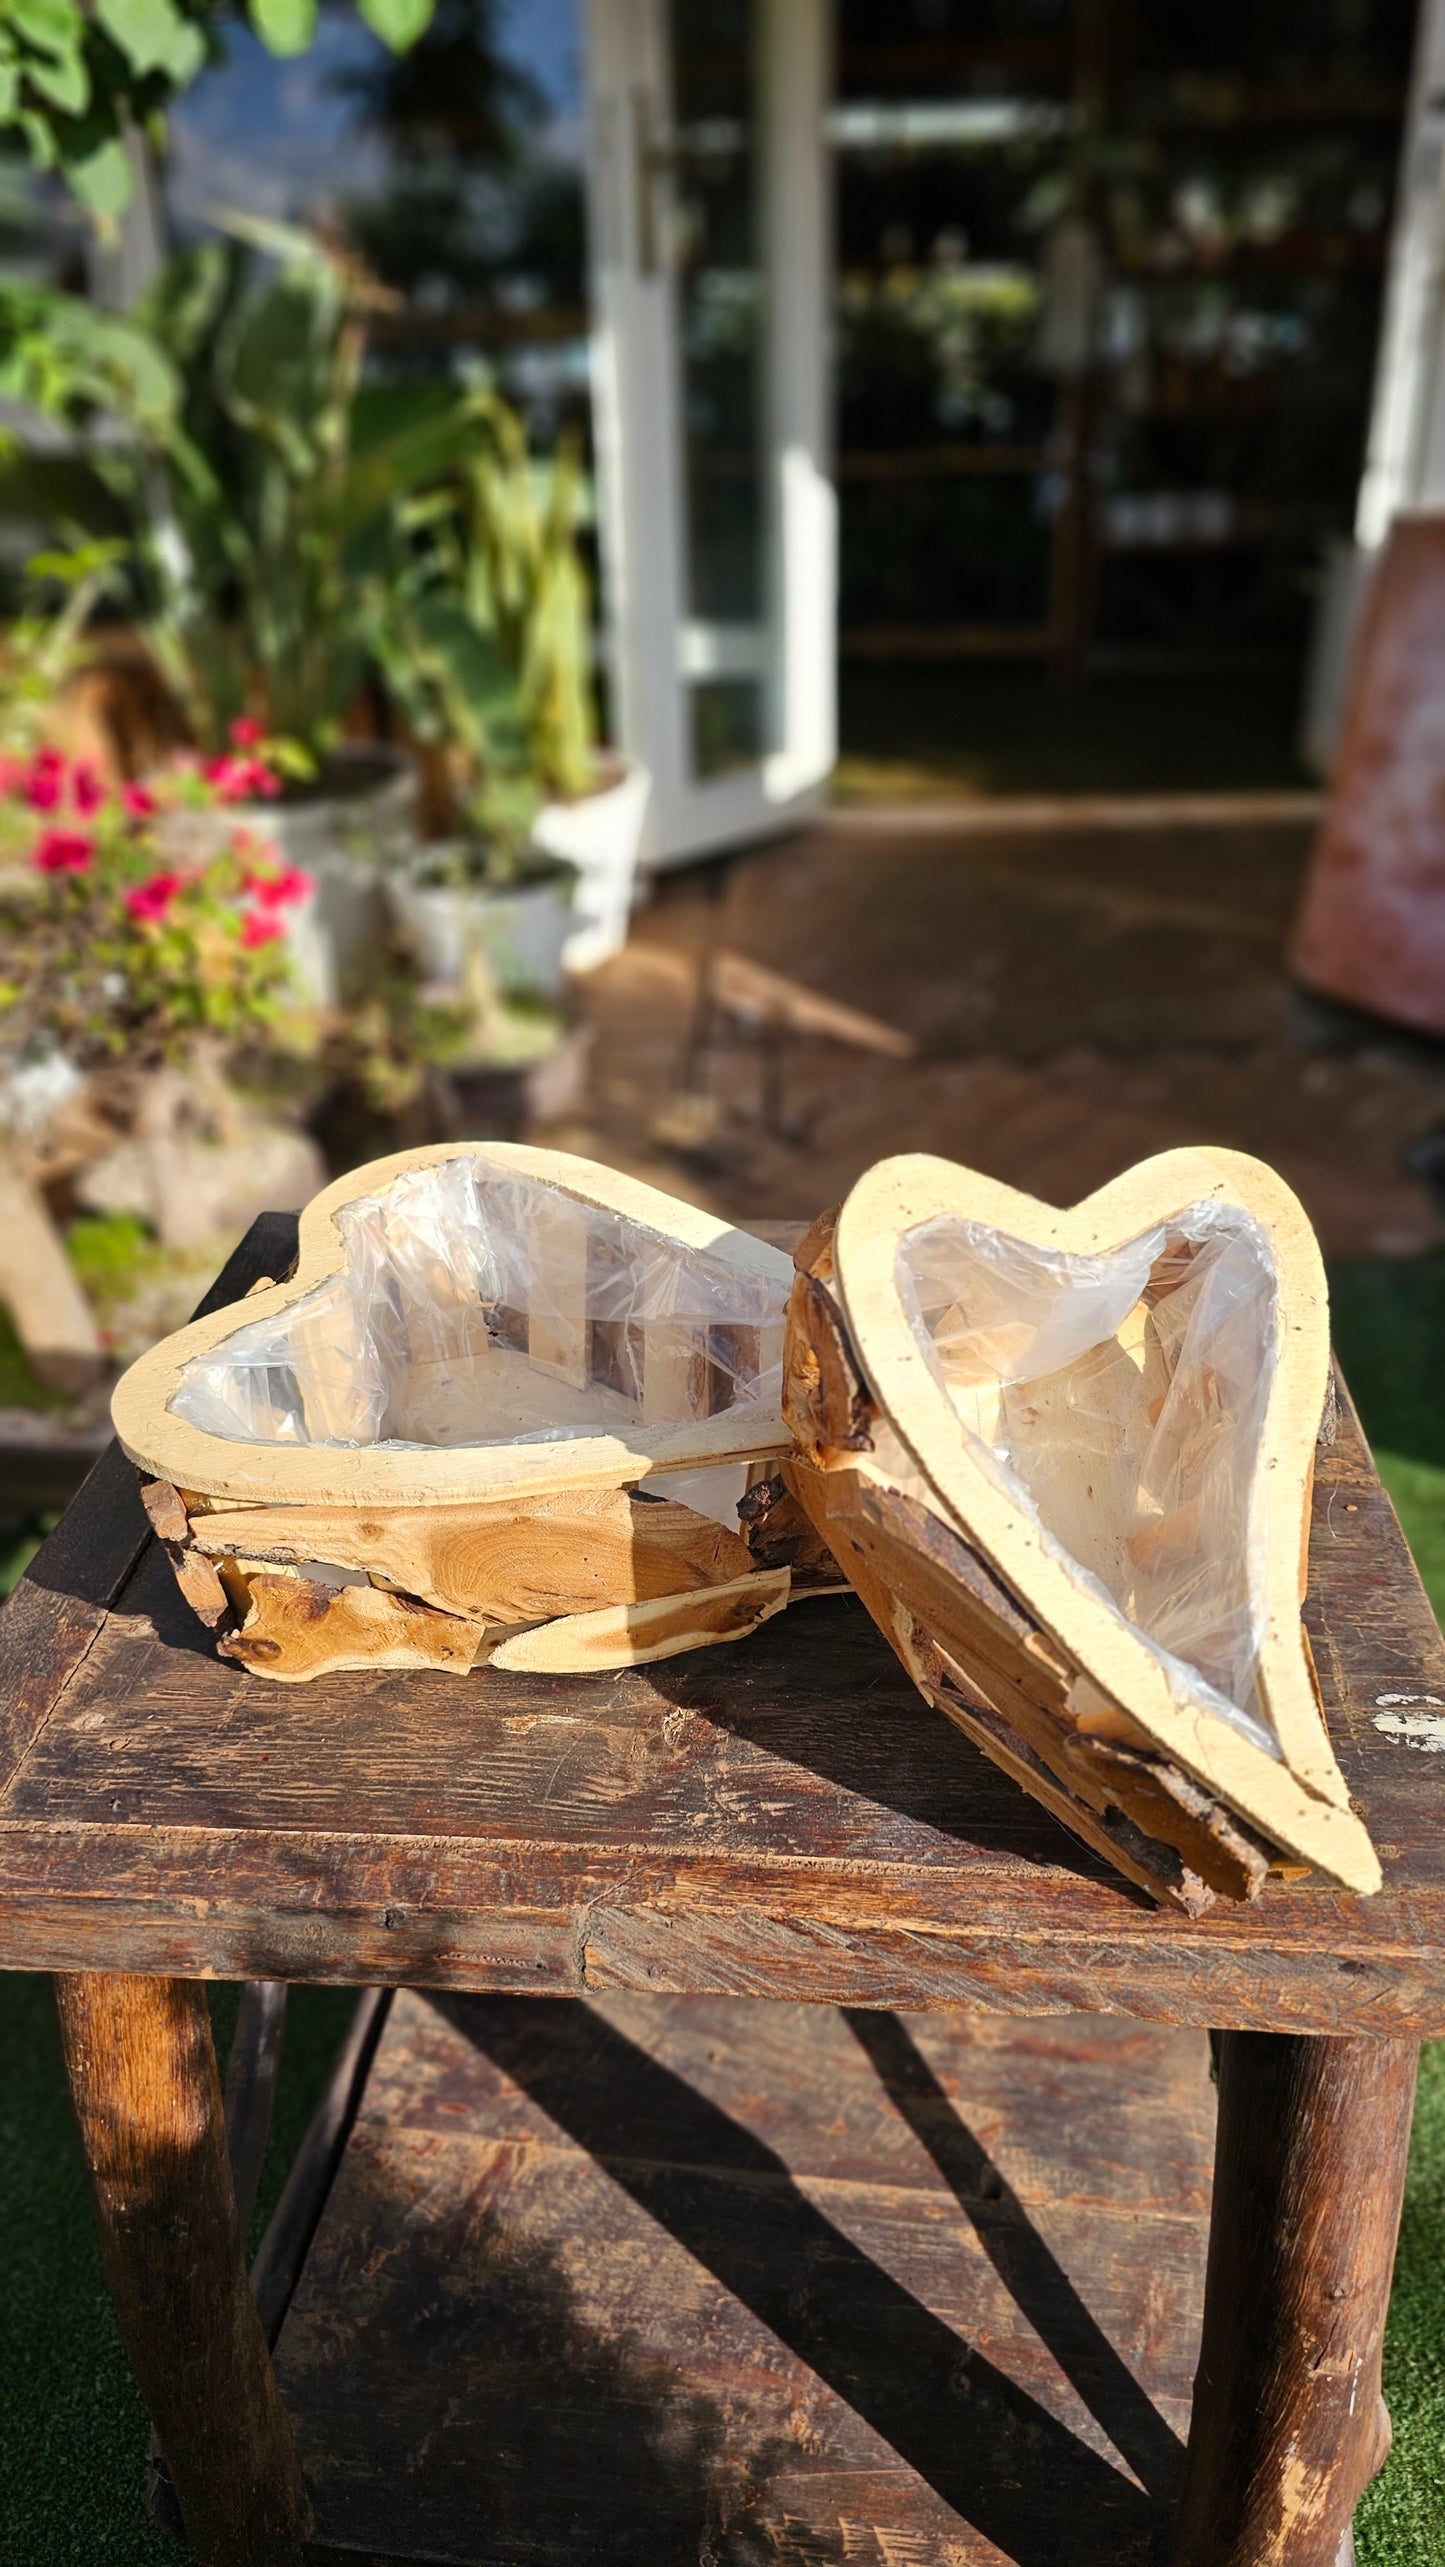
column 1389, row 1329
column 72, row 2431
column 72, row 2427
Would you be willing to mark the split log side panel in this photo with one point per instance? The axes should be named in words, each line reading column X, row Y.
column 565, row 1554
column 663, row 2302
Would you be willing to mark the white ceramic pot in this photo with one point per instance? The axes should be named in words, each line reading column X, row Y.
column 345, row 841
column 601, row 834
column 523, row 933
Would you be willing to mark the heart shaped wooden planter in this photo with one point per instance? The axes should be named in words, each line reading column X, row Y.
column 504, row 1409
column 1066, row 1460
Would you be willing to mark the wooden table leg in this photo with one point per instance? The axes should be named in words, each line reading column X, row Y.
column 1289, row 2425
column 142, row 2068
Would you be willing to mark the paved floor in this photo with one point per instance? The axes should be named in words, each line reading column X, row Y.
column 1083, row 982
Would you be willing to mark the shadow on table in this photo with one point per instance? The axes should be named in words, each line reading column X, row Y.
column 452, row 2401
column 819, row 1687
column 1023, row 2260
column 987, row 2448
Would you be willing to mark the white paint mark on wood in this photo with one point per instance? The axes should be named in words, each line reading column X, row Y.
column 1424, row 1730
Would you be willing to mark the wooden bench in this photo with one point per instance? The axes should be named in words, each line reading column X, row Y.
column 591, row 2256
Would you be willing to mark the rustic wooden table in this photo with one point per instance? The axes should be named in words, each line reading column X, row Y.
column 784, row 2187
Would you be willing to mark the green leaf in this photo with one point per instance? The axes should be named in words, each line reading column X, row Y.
column 103, row 179
column 65, row 81
column 284, row 26
column 56, row 26
column 397, row 22
column 39, row 136
column 154, row 36
column 9, row 89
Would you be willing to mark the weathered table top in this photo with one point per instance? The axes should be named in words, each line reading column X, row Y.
column 781, row 1818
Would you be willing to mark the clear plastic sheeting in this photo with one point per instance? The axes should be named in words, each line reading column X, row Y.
column 479, row 1306
column 1121, row 1399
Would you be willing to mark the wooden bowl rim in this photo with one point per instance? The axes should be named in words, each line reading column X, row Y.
column 171, row 1448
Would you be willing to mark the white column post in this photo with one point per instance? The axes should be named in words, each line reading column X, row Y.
column 798, row 238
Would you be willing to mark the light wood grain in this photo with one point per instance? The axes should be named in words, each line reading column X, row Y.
column 295, row 1630
column 515, row 1562
column 636, row 1635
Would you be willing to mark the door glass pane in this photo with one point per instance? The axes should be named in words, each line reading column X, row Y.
column 718, row 257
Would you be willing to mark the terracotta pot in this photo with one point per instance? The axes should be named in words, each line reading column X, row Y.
column 1371, row 927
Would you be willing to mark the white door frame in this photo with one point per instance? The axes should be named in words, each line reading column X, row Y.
column 651, row 644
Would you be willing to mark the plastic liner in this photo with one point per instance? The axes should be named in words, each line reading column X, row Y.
column 477, row 1306
column 1120, row 1400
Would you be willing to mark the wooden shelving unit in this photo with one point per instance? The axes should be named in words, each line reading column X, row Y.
column 1300, row 172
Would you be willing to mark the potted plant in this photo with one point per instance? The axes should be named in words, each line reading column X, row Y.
column 484, row 640
column 231, row 446
column 300, row 535
column 148, row 974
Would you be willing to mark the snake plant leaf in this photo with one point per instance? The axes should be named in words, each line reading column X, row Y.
column 154, row 36
column 284, row 26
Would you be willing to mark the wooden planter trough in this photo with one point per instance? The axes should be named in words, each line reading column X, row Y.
column 503, row 1410
column 1066, row 1458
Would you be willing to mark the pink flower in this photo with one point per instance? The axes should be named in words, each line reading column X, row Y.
column 246, row 733
column 261, row 927
column 63, row 851
column 280, row 890
column 241, row 779
column 87, row 789
column 45, row 785
column 138, row 802
column 149, row 901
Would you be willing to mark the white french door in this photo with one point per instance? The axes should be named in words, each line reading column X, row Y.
column 710, row 285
